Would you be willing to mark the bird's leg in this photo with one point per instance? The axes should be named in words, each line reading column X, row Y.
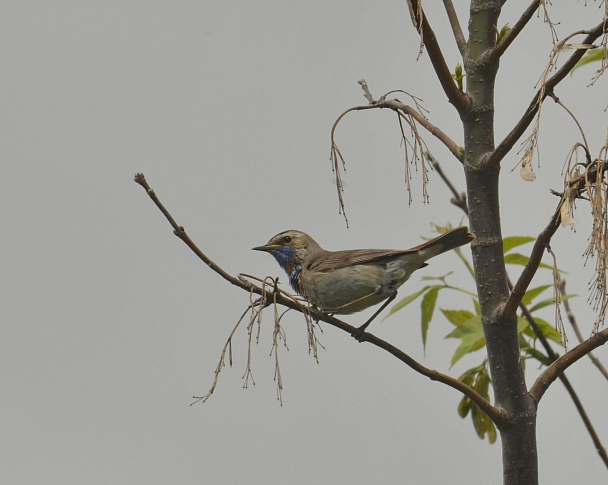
column 360, row 330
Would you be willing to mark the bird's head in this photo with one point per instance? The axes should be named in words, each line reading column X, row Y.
column 289, row 248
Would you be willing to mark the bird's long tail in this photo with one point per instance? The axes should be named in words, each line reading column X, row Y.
column 445, row 242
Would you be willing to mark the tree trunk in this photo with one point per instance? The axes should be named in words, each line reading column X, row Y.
column 518, row 431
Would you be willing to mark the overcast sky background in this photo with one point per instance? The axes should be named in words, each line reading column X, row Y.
column 110, row 324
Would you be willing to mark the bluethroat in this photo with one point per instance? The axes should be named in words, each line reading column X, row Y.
column 344, row 282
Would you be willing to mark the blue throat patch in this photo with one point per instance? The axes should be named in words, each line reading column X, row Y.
column 287, row 260
column 285, row 257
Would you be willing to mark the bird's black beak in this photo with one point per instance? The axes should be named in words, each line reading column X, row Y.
column 263, row 248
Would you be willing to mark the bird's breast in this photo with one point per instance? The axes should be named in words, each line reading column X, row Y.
column 294, row 272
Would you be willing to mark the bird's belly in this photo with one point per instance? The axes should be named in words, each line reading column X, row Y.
column 349, row 290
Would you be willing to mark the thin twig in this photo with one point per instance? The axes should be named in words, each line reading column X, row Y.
column 561, row 364
column 461, row 42
column 459, row 199
column 398, row 106
column 455, row 95
column 580, row 128
column 577, row 331
column 405, row 112
column 576, row 186
column 515, row 134
column 508, row 39
column 581, row 410
column 540, row 246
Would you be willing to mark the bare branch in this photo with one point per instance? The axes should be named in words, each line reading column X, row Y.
column 516, row 133
column 495, row 414
column 222, row 363
column 461, row 42
column 399, row 107
column 455, row 95
column 577, row 331
column 508, row 39
column 560, row 365
column 459, row 199
column 368, row 95
column 578, row 125
column 574, row 188
column 281, row 298
column 541, row 244
column 405, row 112
column 587, row 422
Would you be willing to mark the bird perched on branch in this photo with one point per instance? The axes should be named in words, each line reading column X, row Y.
column 344, row 282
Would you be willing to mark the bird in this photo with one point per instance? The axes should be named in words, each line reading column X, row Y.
column 345, row 282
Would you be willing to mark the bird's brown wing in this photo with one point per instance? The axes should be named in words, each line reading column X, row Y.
column 334, row 260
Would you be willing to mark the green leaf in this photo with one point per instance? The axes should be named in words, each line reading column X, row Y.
column 536, row 355
column 516, row 258
column 468, row 377
column 438, row 278
column 549, row 331
column 523, row 325
column 548, row 302
column 595, row 55
column 509, row 243
column 472, row 325
column 533, row 293
column 502, row 34
column 477, row 307
column 458, row 76
column 492, row 434
column 470, row 343
column 428, row 307
column 406, row 301
column 460, row 318
column 483, row 425
column 482, row 384
column 464, row 406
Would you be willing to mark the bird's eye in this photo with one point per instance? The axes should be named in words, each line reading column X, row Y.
column 287, row 239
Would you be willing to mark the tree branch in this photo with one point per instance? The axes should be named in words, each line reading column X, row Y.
column 579, row 336
column 581, row 411
column 455, row 96
column 278, row 297
column 398, row 106
column 403, row 111
column 459, row 199
column 577, row 186
column 508, row 39
column 509, row 141
column 542, row 243
column 561, row 364
column 552, row 356
column 461, row 42
column 495, row 414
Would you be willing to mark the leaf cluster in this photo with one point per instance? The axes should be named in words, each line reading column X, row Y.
column 469, row 329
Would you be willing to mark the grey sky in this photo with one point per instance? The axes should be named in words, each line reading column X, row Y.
column 110, row 324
